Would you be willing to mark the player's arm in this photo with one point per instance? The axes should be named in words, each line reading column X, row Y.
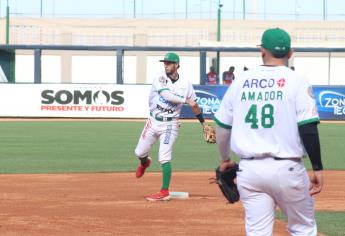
column 196, row 110
column 308, row 119
column 169, row 96
column 223, row 136
column 224, row 120
column 160, row 85
column 310, row 138
column 208, row 131
column 223, row 140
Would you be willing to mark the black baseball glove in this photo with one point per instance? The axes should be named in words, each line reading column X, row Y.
column 225, row 181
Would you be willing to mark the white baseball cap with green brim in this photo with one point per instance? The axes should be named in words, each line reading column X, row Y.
column 277, row 41
column 171, row 57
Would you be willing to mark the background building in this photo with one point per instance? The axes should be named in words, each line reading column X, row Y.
column 177, row 23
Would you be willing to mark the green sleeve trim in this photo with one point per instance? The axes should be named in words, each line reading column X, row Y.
column 313, row 120
column 221, row 124
column 159, row 91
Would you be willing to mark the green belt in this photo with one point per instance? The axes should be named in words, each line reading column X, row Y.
column 160, row 118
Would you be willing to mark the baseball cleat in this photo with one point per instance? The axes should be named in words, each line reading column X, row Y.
column 141, row 168
column 162, row 195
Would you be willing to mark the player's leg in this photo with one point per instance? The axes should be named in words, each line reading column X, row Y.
column 295, row 201
column 258, row 205
column 147, row 138
column 167, row 140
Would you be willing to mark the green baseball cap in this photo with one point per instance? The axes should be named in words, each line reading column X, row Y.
column 277, row 41
column 171, row 57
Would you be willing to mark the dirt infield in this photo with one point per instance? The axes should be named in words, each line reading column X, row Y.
column 39, row 119
column 113, row 204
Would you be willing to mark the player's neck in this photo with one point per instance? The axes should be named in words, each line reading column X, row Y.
column 276, row 62
column 270, row 60
column 174, row 76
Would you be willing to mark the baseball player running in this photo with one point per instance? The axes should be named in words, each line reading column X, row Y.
column 168, row 94
column 270, row 114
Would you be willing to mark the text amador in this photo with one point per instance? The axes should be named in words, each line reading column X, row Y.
column 261, row 95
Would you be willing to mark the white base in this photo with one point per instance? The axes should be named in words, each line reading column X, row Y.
column 179, row 195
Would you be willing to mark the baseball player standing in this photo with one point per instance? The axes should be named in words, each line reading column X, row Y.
column 270, row 114
column 168, row 94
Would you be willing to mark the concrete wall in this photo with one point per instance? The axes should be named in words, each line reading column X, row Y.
column 140, row 69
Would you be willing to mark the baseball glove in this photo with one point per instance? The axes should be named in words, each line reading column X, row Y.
column 225, row 181
column 209, row 134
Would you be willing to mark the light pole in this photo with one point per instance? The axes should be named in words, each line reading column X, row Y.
column 53, row 6
column 218, row 34
column 219, row 19
column 210, row 10
column 174, row 9
column 200, row 9
column 244, row 9
column 134, row 9
column 7, row 23
column 41, row 10
column 324, row 10
column 186, row 9
column 297, row 10
column 142, row 8
column 234, row 9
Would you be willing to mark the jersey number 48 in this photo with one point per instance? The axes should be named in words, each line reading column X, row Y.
column 267, row 119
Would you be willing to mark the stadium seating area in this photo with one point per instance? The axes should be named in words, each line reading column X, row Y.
column 141, row 32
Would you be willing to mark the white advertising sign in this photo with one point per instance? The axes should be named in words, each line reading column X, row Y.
column 74, row 100
column 3, row 78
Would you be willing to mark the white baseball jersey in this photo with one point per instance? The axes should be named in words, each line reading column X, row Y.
column 264, row 107
column 159, row 107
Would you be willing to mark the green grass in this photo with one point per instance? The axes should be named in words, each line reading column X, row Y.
column 332, row 138
column 106, row 146
column 333, row 223
column 55, row 147
column 330, row 223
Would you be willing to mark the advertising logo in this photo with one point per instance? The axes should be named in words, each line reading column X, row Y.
column 208, row 99
column 208, row 102
column 281, row 82
column 332, row 102
column 77, row 100
column 261, row 83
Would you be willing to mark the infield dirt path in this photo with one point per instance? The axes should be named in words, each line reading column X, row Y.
column 113, row 204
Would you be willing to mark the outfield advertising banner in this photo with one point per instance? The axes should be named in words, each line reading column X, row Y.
column 208, row 98
column 330, row 101
column 128, row 101
column 74, row 100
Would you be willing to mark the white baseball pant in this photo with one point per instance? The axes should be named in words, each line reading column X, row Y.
column 265, row 183
column 166, row 132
